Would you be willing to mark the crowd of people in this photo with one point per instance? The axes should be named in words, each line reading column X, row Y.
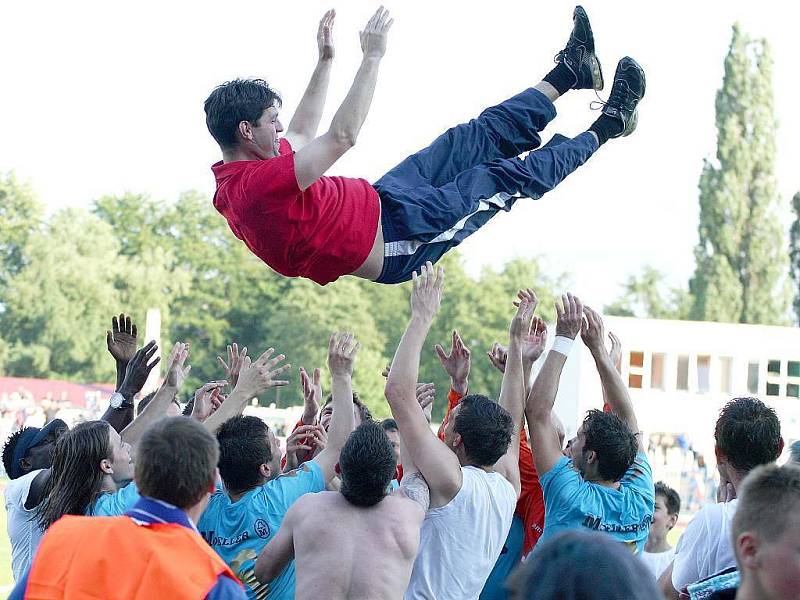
column 147, row 503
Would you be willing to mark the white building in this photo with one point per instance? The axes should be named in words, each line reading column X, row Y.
column 681, row 373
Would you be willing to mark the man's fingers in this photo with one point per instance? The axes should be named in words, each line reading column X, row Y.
column 109, row 338
column 440, row 352
column 264, row 357
column 134, row 331
column 128, row 324
column 153, row 364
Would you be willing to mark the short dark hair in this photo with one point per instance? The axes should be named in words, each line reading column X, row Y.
column 243, row 448
column 144, row 402
column 389, row 425
column 176, row 461
column 8, row 451
column 582, row 565
column 236, row 101
column 671, row 498
column 485, row 428
column 367, row 465
column 748, row 433
column 363, row 410
column 613, row 442
column 768, row 495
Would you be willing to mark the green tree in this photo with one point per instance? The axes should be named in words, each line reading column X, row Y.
column 20, row 217
column 646, row 295
column 794, row 253
column 740, row 257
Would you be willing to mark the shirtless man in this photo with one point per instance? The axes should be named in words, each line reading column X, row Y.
column 357, row 543
column 275, row 195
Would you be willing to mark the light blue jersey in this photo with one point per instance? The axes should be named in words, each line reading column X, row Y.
column 624, row 514
column 239, row 531
column 113, row 505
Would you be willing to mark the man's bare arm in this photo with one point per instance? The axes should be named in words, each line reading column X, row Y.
column 437, row 463
column 544, row 436
column 313, row 160
column 280, row 550
column 512, row 393
column 342, row 349
column 303, row 126
column 616, row 392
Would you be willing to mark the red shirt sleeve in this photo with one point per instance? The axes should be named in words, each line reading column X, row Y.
column 453, row 398
column 530, row 506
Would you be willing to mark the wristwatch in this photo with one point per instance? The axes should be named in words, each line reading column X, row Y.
column 117, row 401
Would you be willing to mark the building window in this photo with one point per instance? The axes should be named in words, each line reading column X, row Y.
column 725, row 374
column 774, row 367
column 657, row 361
column 683, row 373
column 635, row 381
column 636, row 370
column 794, row 368
column 703, row 378
column 752, row 377
column 793, row 390
column 773, row 389
column 637, row 359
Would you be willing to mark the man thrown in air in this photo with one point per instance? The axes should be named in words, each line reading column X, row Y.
column 276, row 198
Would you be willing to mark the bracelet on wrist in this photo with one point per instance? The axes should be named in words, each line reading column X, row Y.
column 562, row 344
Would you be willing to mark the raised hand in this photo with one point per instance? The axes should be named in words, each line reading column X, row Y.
column 234, row 364
column 533, row 343
column 342, row 350
column 616, row 351
column 592, row 331
column 121, row 338
column 325, row 35
column 176, row 372
column 426, row 295
column 521, row 322
column 569, row 316
column 426, row 393
column 138, row 370
column 207, row 400
column 457, row 363
column 312, row 395
column 260, row 375
column 498, row 355
column 373, row 38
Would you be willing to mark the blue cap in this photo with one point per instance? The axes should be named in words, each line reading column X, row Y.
column 30, row 438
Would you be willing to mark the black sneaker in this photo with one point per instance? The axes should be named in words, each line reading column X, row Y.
column 578, row 55
column 626, row 92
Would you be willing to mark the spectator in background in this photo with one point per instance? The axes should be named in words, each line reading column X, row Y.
column 658, row 554
column 794, row 452
column 582, row 565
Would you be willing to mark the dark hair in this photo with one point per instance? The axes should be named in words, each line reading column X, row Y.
column 8, row 451
column 363, row 410
column 671, row 498
column 367, row 465
column 485, row 428
column 176, row 461
column 768, row 495
column 612, row 441
column 76, row 479
column 144, row 402
column 243, row 448
column 582, row 565
column 389, row 425
column 236, row 101
column 748, row 433
column 187, row 410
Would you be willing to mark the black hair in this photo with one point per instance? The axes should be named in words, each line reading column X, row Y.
column 367, row 465
column 363, row 410
column 389, row 425
column 236, row 101
column 144, row 402
column 613, row 442
column 243, row 448
column 8, row 450
column 671, row 498
column 582, row 565
column 485, row 428
column 748, row 433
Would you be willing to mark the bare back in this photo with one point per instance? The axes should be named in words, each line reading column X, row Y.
column 346, row 551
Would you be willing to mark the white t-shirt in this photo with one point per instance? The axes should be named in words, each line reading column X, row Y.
column 460, row 542
column 656, row 562
column 23, row 529
column 705, row 548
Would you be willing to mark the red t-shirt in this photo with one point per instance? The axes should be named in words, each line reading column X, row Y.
column 530, row 506
column 321, row 233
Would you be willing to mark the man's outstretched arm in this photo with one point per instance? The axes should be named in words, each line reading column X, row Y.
column 303, row 126
column 616, row 393
column 437, row 463
column 313, row 160
column 544, row 436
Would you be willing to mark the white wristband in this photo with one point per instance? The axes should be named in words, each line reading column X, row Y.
column 562, row 345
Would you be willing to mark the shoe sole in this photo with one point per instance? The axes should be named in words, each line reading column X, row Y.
column 634, row 120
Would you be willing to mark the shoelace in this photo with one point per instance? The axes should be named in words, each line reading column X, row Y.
column 619, row 97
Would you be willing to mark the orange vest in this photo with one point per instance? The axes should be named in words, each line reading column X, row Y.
column 113, row 557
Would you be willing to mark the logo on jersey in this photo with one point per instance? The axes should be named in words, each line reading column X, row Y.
column 262, row 529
